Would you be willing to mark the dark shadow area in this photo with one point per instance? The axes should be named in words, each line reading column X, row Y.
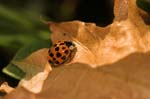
column 5, row 57
column 97, row 11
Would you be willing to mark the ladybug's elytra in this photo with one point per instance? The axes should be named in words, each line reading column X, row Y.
column 61, row 52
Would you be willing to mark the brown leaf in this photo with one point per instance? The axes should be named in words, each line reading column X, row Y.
column 97, row 46
column 86, row 36
column 20, row 93
column 121, row 10
column 5, row 88
column 124, row 79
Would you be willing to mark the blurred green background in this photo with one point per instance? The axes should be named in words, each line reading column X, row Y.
column 20, row 22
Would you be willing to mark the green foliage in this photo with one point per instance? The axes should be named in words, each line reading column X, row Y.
column 21, row 30
column 20, row 27
column 144, row 4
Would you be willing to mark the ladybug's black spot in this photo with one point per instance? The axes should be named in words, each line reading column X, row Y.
column 57, row 62
column 61, row 43
column 57, row 49
column 58, row 54
column 66, row 51
column 54, row 59
column 51, row 54
column 63, row 58
column 64, row 34
column 68, row 43
column 50, row 61
column 63, row 48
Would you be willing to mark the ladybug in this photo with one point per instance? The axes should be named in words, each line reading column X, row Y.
column 61, row 52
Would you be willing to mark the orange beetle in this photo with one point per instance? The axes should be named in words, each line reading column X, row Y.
column 61, row 52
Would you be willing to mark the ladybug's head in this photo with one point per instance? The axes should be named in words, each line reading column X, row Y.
column 70, row 44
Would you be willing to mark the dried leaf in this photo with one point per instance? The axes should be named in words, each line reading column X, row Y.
column 20, row 93
column 124, row 79
column 98, row 46
column 86, row 36
column 5, row 88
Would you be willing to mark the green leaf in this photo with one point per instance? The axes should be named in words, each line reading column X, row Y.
column 15, row 72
